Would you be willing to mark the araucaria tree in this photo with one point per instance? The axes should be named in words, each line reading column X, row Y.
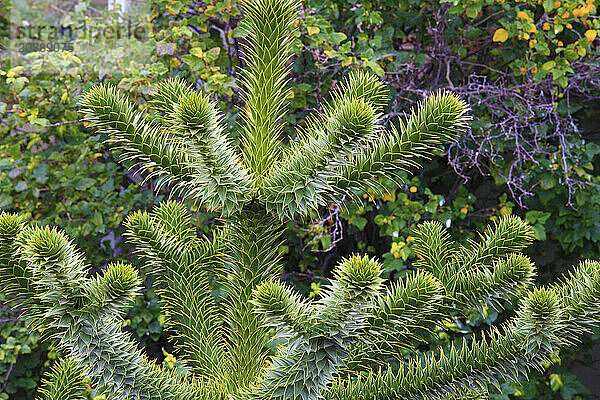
column 362, row 338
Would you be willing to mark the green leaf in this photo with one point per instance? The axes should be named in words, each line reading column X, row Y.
column 195, row 63
column 375, row 67
column 15, row 151
column 535, row 216
column 359, row 222
column 84, row 183
column 555, row 382
column 548, row 65
column 96, row 219
column 165, row 49
column 5, row 201
column 326, row 242
column 41, row 173
column 198, row 52
column 547, row 182
column 473, row 10
column 175, row 7
column 380, row 220
column 337, row 38
column 213, row 54
column 21, row 186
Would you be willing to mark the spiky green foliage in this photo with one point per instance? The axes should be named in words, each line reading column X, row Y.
column 484, row 271
column 223, row 301
column 251, row 257
column 342, row 151
column 318, row 335
column 65, row 381
column 182, row 265
column 466, row 368
column 82, row 314
column 268, row 28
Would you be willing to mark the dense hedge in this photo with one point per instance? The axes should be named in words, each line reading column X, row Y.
column 529, row 69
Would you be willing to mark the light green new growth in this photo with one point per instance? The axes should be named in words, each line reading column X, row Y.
column 361, row 338
column 65, row 381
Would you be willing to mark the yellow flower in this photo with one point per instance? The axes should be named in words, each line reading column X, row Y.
column 556, row 4
column 501, row 35
column 526, row 36
column 569, row 26
column 534, row 70
column 560, row 43
column 523, row 70
column 532, row 43
column 591, row 34
column 522, row 15
column 413, row 189
column 546, row 26
column 566, row 14
column 464, row 210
